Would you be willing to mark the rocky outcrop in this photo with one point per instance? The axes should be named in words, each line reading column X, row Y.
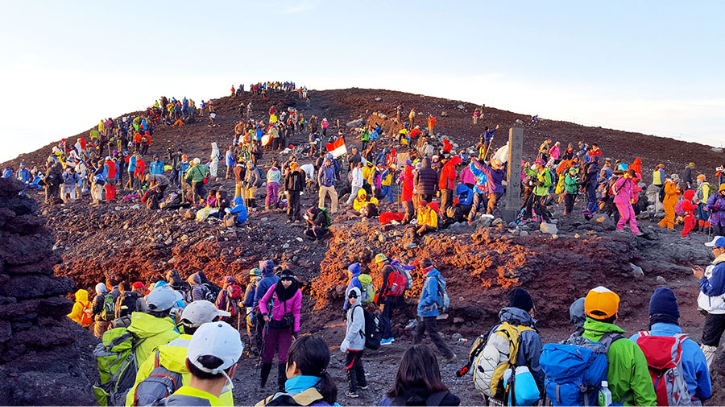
column 45, row 358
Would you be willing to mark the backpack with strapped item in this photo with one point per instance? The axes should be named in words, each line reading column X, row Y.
column 406, row 272
column 211, row 292
column 161, row 383
column 109, row 308
column 664, row 359
column 373, row 329
column 497, row 355
column 396, row 283
column 117, row 366
column 367, row 293
column 576, row 368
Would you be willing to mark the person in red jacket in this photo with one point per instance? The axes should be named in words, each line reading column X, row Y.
column 139, row 172
column 406, row 195
column 110, row 179
column 446, row 146
column 447, row 183
column 688, row 212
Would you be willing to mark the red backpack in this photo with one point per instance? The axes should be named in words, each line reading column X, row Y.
column 234, row 293
column 396, row 283
column 664, row 359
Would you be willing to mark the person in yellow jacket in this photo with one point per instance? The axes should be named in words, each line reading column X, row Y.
column 172, row 356
column 211, row 359
column 672, row 194
column 361, row 204
column 427, row 219
column 367, row 173
column 82, row 312
column 155, row 327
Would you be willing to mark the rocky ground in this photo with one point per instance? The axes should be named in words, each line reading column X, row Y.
column 480, row 262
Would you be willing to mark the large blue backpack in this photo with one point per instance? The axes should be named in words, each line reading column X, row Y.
column 575, row 369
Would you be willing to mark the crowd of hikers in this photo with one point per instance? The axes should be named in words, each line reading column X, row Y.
column 177, row 342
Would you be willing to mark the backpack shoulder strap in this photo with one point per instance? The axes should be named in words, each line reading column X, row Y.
column 436, row 398
column 609, row 338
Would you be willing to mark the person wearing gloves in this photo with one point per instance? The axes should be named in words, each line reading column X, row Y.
column 283, row 323
column 353, row 345
column 211, row 359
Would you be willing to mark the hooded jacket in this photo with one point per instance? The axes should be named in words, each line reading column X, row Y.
column 80, row 306
column 355, row 334
column 426, row 180
column 494, row 178
column 268, row 280
column 628, row 375
column 198, row 291
column 694, row 365
column 429, row 217
column 101, row 292
column 427, row 303
column 279, row 308
column 448, row 174
column 716, row 206
column 465, row 194
column 154, row 331
column 625, row 190
column 530, row 347
column 239, row 209
column 408, row 185
column 362, row 200
column 156, row 167
column 353, row 273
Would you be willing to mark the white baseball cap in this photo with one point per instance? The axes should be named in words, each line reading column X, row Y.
column 161, row 298
column 718, row 241
column 201, row 312
column 215, row 339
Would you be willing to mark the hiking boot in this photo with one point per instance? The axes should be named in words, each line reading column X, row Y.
column 352, row 394
column 446, row 361
column 387, row 341
column 412, row 324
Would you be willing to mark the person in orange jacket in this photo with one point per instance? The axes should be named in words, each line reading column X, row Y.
column 672, row 193
column 688, row 212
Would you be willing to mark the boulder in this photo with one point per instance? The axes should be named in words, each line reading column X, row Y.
column 637, row 271
column 548, row 228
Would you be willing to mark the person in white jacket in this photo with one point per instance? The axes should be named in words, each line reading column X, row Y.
column 353, row 344
column 356, row 182
column 215, row 157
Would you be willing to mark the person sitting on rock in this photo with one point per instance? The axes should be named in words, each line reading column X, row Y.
column 318, row 223
column 362, row 206
column 427, row 219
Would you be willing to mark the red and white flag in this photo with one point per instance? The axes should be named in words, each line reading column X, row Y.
column 337, row 147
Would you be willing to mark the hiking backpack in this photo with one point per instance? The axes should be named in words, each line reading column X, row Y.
column 405, row 270
column 373, row 329
column 442, row 300
column 367, row 292
column 575, row 369
column 109, row 308
column 160, row 384
column 662, row 193
column 664, row 359
column 117, row 366
column 128, row 305
column 234, row 295
column 396, row 283
column 212, row 291
column 86, row 315
column 497, row 355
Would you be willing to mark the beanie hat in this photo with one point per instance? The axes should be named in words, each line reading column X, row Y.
column 664, row 302
column 520, row 298
column 601, row 303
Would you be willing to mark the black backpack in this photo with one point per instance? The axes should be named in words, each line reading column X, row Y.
column 128, row 305
column 212, row 291
column 662, row 194
column 373, row 330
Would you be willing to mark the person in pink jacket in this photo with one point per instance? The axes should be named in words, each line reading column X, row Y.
column 624, row 190
column 467, row 177
column 555, row 152
column 283, row 323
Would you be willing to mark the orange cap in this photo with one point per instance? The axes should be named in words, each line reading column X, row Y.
column 601, row 303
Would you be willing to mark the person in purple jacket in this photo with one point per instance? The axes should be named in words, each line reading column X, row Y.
column 494, row 182
column 283, row 322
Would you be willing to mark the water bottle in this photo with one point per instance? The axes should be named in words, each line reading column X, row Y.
column 605, row 396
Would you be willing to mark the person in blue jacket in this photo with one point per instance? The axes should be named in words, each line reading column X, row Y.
column 428, row 311
column 238, row 209
column 712, row 298
column 268, row 280
column 157, row 166
column 495, row 173
column 23, row 174
column 353, row 272
column 664, row 314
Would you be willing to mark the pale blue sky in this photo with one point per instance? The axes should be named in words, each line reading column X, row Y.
column 649, row 66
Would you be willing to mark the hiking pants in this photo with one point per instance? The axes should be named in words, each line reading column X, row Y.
column 669, row 219
column 626, row 214
column 689, row 225
column 430, row 325
column 390, row 302
column 713, row 330
column 446, row 201
column 293, row 205
column 272, row 191
column 527, row 203
column 324, row 191
column 353, row 195
column 591, row 197
column 569, row 202
column 277, row 338
column 540, row 207
column 409, row 211
column 354, row 369
column 387, row 190
column 493, row 203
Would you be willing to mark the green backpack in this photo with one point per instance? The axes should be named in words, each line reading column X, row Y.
column 108, row 313
column 117, row 366
column 368, row 291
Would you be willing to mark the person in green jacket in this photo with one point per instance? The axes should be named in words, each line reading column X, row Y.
column 571, row 189
column 155, row 327
column 172, row 356
column 364, row 138
column 628, row 375
column 195, row 176
column 542, row 185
